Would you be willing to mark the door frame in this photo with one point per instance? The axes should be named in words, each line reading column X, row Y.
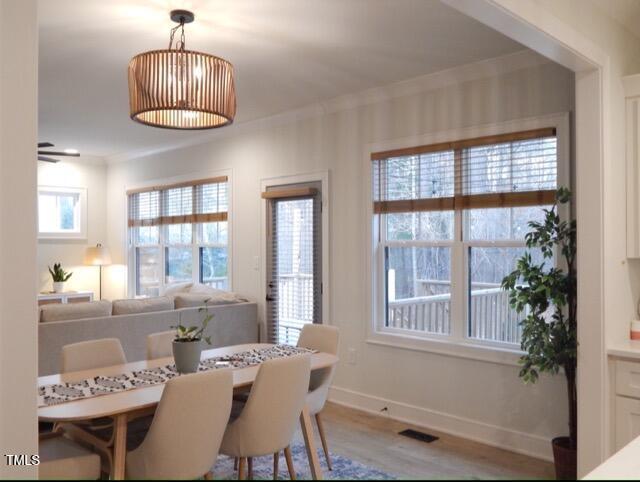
column 323, row 178
column 544, row 33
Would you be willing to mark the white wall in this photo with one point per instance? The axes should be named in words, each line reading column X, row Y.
column 89, row 173
column 18, row 334
column 478, row 399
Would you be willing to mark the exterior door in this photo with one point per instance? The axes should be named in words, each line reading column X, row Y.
column 294, row 264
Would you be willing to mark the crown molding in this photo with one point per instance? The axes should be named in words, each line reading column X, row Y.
column 457, row 75
column 83, row 160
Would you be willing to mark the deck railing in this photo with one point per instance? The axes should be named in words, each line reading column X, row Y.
column 295, row 306
column 490, row 316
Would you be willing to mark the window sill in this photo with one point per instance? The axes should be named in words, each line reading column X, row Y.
column 455, row 348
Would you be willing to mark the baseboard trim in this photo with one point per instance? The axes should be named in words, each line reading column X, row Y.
column 512, row 440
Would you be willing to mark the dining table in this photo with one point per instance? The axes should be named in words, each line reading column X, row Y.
column 124, row 406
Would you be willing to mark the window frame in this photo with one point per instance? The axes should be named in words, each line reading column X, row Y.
column 196, row 235
column 81, row 192
column 458, row 343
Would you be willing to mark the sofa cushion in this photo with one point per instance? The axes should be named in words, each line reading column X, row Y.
column 175, row 288
column 217, row 296
column 75, row 311
column 142, row 305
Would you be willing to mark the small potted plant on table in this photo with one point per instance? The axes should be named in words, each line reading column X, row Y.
column 188, row 343
column 547, row 294
column 59, row 276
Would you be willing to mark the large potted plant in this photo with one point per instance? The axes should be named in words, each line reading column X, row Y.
column 188, row 342
column 59, row 277
column 546, row 292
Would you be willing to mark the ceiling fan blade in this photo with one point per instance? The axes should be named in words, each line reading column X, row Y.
column 44, row 144
column 48, row 159
column 60, row 153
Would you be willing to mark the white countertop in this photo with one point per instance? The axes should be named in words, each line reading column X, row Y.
column 625, row 464
column 626, row 349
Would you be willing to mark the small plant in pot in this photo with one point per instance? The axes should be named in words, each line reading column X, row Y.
column 188, row 342
column 546, row 292
column 59, row 276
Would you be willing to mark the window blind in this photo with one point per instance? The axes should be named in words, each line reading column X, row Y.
column 191, row 202
column 509, row 170
column 294, row 263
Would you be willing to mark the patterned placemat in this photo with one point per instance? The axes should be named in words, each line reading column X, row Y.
column 105, row 385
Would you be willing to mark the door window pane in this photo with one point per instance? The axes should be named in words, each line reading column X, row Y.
column 213, row 267
column 418, row 288
column 178, row 264
column 293, row 267
column 148, row 272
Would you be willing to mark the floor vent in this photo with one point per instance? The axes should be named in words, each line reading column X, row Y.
column 423, row 437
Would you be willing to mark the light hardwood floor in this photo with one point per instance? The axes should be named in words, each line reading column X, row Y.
column 374, row 441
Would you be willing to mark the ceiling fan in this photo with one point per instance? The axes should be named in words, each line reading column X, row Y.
column 44, row 155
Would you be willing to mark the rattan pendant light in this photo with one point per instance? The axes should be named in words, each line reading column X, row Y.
column 181, row 89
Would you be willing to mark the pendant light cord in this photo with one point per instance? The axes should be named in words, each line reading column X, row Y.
column 180, row 45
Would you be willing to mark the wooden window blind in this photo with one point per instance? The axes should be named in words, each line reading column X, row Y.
column 189, row 202
column 508, row 170
column 294, row 263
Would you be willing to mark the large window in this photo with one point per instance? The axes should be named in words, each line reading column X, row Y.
column 450, row 221
column 179, row 233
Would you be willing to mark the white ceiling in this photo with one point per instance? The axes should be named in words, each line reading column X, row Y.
column 287, row 54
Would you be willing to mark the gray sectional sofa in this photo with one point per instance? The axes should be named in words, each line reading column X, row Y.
column 232, row 324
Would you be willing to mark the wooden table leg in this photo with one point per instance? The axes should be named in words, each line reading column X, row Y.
column 310, row 443
column 119, row 447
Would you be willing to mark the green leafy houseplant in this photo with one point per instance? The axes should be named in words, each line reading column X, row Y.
column 58, row 274
column 547, row 293
column 187, row 334
column 187, row 343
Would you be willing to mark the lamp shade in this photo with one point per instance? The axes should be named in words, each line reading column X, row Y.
column 181, row 89
column 97, row 256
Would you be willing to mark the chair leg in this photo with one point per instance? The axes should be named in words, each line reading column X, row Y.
column 276, row 461
column 250, row 468
column 289, row 459
column 235, row 463
column 323, row 439
column 241, row 465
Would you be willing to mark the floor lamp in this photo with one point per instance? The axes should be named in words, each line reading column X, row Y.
column 99, row 256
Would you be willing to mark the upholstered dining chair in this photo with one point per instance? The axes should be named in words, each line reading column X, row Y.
column 187, row 428
column 87, row 355
column 322, row 338
column 61, row 458
column 268, row 420
column 159, row 344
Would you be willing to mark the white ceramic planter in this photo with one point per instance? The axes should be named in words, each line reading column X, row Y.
column 186, row 355
column 58, row 287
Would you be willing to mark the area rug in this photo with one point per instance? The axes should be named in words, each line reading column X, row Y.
column 343, row 468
